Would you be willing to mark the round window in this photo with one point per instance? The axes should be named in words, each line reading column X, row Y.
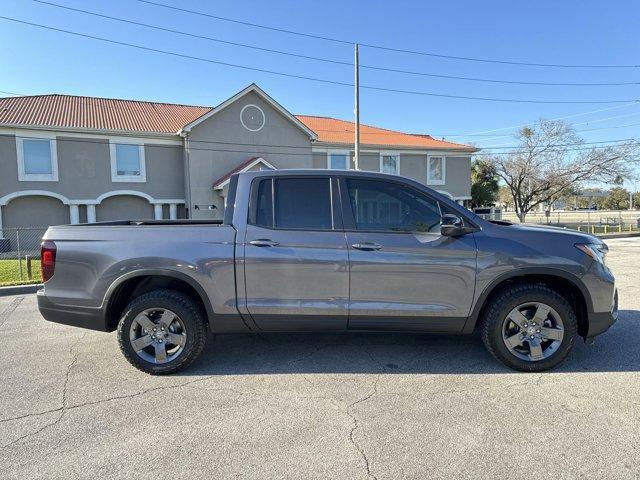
column 252, row 117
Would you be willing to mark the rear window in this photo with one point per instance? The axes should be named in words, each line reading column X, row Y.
column 294, row 203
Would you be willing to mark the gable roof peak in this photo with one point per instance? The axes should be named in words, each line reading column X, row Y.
column 262, row 94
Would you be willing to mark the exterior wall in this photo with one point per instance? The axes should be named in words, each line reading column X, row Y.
column 84, row 175
column 84, row 169
column 458, row 176
column 34, row 211
column 124, row 207
column 207, row 163
column 414, row 166
column 319, row 160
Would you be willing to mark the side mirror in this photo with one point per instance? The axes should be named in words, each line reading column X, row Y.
column 452, row 226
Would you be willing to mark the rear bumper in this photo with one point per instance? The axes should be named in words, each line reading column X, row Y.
column 601, row 322
column 83, row 317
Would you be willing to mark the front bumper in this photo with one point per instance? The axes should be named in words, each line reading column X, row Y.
column 601, row 322
column 83, row 317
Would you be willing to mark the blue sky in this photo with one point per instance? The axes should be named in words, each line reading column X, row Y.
column 37, row 61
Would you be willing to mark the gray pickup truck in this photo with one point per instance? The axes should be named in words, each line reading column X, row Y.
column 323, row 250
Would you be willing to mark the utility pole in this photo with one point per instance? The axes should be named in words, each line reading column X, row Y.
column 356, row 156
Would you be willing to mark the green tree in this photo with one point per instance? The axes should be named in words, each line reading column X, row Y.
column 484, row 184
column 618, row 199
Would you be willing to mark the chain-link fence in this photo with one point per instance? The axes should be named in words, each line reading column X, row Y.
column 20, row 255
column 588, row 221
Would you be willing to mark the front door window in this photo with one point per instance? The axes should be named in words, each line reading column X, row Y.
column 387, row 207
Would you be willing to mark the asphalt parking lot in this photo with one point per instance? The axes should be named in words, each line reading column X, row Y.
column 319, row 406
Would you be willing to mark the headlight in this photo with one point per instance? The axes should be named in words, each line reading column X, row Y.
column 597, row 251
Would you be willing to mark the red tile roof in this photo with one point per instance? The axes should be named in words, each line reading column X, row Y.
column 70, row 111
column 332, row 130
column 94, row 113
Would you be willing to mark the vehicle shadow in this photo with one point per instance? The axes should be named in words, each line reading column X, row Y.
column 404, row 353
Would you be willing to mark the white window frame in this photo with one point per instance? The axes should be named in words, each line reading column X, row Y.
column 431, row 181
column 142, row 178
column 339, row 152
column 388, row 154
column 37, row 177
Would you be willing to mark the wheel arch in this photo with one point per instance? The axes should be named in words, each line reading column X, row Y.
column 134, row 284
column 569, row 286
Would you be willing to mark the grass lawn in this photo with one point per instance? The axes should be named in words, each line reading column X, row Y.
column 10, row 272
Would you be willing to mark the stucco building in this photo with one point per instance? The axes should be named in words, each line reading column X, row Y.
column 69, row 159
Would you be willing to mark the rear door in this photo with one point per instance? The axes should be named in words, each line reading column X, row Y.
column 404, row 273
column 296, row 258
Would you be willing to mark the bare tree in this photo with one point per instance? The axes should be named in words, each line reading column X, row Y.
column 551, row 160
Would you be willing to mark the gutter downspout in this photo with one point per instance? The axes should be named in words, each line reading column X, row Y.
column 187, row 171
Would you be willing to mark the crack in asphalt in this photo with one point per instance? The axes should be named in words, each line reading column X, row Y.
column 360, row 449
column 63, row 407
column 117, row 397
column 9, row 309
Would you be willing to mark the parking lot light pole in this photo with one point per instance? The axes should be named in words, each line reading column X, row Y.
column 356, row 150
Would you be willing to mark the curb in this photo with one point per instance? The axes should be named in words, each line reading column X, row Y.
column 20, row 289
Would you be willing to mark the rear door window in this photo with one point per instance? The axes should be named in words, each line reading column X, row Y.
column 294, row 204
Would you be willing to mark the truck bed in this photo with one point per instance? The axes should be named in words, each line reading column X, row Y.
column 115, row 223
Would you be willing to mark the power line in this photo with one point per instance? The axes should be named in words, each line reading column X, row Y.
column 609, row 128
column 329, row 60
column 508, row 82
column 577, row 131
column 249, row 24
column 558, row 118
column 516, row 151
column 611, row 142
column 506, row 150
column 382, row 47
column 394, row 133
column 504, row 136
column 588, row 122
column 199, row 36
column 12, row 93
column 314, row 79
column 217, row 142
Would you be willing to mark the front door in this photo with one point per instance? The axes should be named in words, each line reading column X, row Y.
column 404, row 273
column 296, row 259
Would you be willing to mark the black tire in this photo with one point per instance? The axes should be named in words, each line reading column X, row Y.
column 491, row 328
column 189, row 313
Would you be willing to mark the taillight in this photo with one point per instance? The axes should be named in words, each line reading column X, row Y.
column 47, row 259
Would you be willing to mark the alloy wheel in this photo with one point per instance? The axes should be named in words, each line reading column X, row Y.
column 532, row 331
column 158, row 335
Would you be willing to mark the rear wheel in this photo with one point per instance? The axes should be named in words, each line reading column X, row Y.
column 529, row 327
column 162, row 332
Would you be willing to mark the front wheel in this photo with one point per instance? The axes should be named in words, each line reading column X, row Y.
column 162, row 332
column 529, row 327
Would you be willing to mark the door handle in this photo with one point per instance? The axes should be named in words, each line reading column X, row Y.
column 367, row 246
column 263, row 242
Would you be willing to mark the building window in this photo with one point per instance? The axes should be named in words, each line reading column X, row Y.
column 435, row 171
column 37, row 159
column 338, row 160
column 390, row 163
column 127, row 162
